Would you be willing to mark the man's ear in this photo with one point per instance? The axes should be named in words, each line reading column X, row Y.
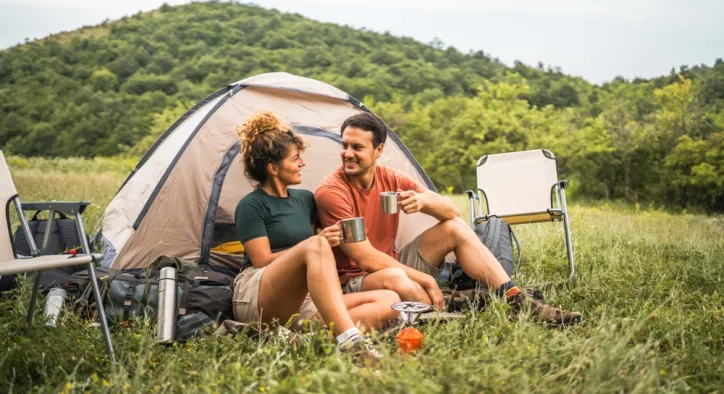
column 378, row 150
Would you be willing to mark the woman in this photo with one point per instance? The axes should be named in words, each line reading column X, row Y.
column 289, row 262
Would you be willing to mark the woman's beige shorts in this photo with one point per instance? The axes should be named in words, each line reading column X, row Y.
column 246, row 300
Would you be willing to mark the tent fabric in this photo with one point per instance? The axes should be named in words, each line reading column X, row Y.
column 517, row 183
column 185, row 192
column 7, row 193
column 286, row 81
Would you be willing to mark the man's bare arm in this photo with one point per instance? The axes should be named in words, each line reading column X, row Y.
column 372, row 260
column 430, row 203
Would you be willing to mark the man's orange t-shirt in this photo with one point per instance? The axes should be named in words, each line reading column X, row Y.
column 337, row 199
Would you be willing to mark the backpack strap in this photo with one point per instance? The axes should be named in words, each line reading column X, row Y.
column 35, row 216
column 184, row 298
column 128, row 301
column 518, row 246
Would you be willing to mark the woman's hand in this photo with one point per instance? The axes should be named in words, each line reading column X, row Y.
column 333, row 234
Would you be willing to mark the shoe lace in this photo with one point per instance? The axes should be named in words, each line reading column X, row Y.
column 368, row 347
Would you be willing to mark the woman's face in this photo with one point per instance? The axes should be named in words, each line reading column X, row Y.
column 290, row 169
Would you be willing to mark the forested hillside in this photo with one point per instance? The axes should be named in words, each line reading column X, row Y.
column 111, row 89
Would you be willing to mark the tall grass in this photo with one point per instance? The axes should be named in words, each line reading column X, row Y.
column 649, row 283
column 71, row 179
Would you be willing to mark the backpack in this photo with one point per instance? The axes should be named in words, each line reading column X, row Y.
column 63, row 237
column 204, row 295
column 498, row 237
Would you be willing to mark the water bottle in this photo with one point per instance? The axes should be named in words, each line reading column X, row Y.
column 53, row 305
column 166, row 318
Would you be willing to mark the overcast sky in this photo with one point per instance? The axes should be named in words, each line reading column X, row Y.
column 594, row 39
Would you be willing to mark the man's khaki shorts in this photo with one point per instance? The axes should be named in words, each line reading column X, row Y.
column 409, row 256
column 246, row 300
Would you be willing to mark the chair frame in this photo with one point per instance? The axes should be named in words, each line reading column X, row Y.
column 558, row 212
column 72, row 209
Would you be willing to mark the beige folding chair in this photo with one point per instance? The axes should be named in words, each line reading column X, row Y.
column 521, row 187
column 10, row 264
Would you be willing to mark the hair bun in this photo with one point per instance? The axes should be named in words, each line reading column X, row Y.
column 260, row 123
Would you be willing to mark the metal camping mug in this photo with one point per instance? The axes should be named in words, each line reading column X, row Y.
column 353, row 230
column 166, row 318
column 389, row 202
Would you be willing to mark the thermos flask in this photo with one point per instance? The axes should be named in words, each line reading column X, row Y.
column 53, row 304
column 166, row 330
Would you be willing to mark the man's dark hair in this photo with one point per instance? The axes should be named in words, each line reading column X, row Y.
column 368, row 122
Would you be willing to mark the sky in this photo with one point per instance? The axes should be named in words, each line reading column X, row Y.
column 594, row 39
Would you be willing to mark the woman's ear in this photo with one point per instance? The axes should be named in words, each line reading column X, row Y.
column 272, row 169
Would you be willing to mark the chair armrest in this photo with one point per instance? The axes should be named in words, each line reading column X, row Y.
column 67, row 207
column 563, row 184
column 40, row 263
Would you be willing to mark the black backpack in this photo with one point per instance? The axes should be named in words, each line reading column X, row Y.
column 498, row 237
column 63, row 235
column 62, row 238
column 204, row 292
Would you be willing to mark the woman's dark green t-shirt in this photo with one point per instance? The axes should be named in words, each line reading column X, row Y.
column 285, row 221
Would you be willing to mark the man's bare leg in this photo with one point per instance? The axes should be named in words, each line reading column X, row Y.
column 474, row 258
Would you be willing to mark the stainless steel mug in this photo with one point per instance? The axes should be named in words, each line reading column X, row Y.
column 53, row 305
column 389, row 202
column 353, row 230
column 167, row 308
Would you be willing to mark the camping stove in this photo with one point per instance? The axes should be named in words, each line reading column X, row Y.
column 410, row 311
column 410, row 338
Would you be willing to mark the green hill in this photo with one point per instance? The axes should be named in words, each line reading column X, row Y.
column 110, row 89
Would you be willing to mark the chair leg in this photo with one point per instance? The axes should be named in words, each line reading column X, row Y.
column 101, row 312
column 33, row 298
column 569, row 248
column 567, row 229
column 96, row 290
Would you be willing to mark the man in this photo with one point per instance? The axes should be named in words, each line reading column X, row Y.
column 353, row 190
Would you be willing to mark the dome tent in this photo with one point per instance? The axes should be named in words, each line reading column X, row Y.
column 180, row 198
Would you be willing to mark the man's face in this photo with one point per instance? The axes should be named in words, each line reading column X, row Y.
column 358, row 154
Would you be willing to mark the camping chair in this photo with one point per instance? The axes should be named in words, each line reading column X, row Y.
column 521, row 187
column 10, row 264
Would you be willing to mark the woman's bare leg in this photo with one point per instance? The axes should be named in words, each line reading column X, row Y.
column 372, row 309
column 308, row 267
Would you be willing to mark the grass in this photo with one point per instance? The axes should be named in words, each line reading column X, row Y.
column 650, row 286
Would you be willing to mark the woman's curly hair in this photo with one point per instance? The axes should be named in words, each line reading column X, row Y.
column 265, row 139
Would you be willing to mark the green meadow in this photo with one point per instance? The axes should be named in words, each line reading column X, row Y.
column 649, row 284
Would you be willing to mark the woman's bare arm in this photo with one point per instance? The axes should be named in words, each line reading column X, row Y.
column 260, row 253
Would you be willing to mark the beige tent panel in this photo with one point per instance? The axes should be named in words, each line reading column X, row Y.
column 286, row 81
column 171, row 225
column 124, row 209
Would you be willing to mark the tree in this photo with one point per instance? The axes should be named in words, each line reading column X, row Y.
column 103, row 80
